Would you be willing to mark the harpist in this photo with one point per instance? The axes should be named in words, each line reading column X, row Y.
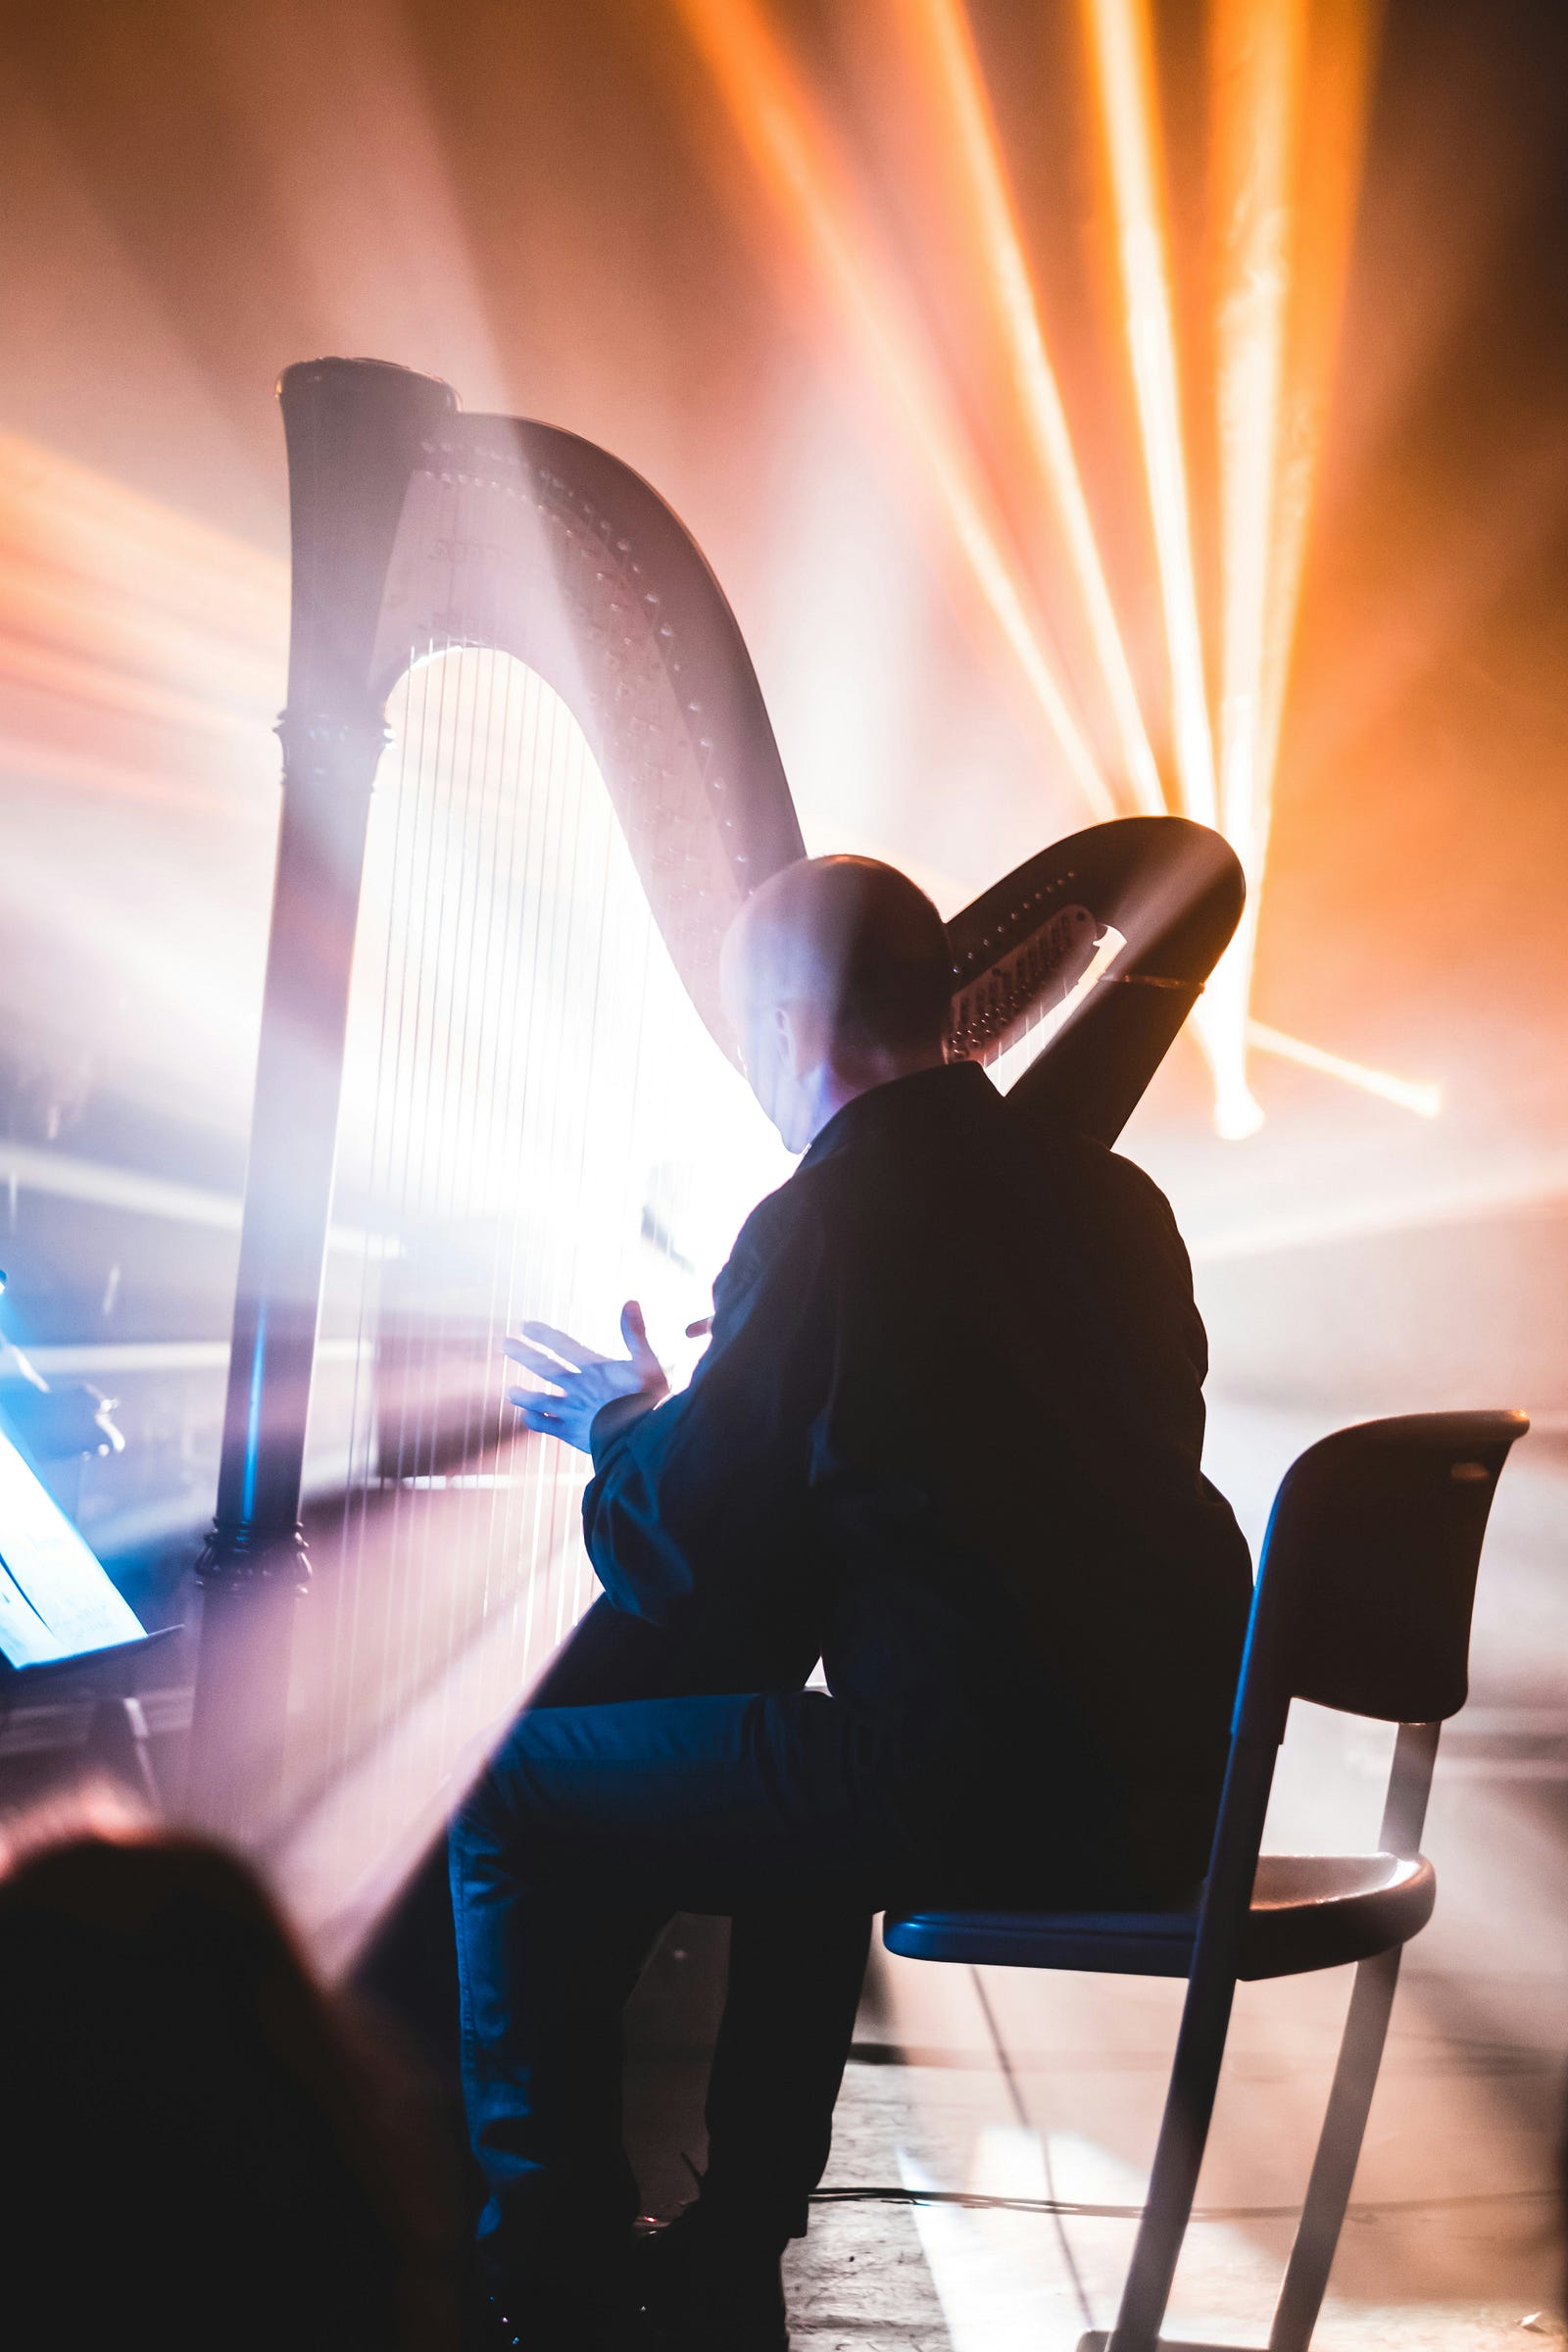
column 946, row 1438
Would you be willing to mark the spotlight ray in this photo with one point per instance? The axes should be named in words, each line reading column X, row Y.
column 1538, row 1186
column 1334, row 90
column 1276, row 66
column 113, row 603
column 1255, row 72
column 67, row 523
column 1255, row 53
column 1122, row 45
column 1424, row 1098
column 946, row 51
column 790, row 150
column 88, row 681
column 72, row 607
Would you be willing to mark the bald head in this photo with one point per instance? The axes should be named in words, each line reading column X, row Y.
column 836, row 977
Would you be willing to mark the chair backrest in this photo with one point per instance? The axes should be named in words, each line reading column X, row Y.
column 1368, row 1575
column 1363, row 1602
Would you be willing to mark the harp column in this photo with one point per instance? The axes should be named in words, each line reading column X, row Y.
column 253, row 1569
column 355, row 429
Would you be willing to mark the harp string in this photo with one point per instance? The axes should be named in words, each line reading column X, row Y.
column 446, row 1061
column 419, row 1346
column 456, row 1515
column 551, row 981
column 380, row 1560
column 523, row 1015
column 343, row 1621
column 504, row 1530
column 473, row 1122
column 533, row 1116
column 374, row 949
column 390, row 912
column 482, row 1425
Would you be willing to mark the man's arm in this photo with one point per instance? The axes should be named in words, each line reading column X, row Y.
column 704, row 1491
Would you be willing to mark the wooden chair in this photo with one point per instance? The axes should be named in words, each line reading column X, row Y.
column 1363, row 1603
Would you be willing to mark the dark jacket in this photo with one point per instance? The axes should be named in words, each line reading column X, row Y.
column 953, row 1410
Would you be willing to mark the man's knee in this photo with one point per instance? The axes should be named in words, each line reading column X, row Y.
column 504, row 1798
column 526, row 1783
column 492, row 1820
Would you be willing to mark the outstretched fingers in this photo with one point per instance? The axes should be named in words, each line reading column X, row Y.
column 560, row 1343
column 539, row 1412
column 534, row 1359
column 634, row 1332
column 566, row 1355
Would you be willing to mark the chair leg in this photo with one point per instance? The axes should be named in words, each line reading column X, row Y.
column 1178, row 2157
column 1339, row 2148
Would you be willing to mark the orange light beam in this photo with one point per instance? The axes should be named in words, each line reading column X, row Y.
column 946, row 50
column 1334, row 97
column 1425, row 1100
column 1257, row 46
column 93, row 683
column 70, row 524
column 1122, row 48
column 1255, row 50
column 792, row 155
column 1283, row 213
column 116, row 611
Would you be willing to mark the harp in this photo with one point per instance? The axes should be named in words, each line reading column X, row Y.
column 494, row 1078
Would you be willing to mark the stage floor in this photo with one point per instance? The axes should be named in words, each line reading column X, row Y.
column 1451, row 2241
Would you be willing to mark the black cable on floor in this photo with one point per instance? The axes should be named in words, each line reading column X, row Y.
column 1375, row 2210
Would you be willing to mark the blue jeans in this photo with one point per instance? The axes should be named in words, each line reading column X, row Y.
column 591, row 1827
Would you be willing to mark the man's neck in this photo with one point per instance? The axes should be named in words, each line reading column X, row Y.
column 830, row 1085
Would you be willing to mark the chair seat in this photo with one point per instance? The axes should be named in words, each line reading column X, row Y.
column 1308, row 1911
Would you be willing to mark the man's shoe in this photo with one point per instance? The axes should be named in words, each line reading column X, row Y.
column 708, row 2286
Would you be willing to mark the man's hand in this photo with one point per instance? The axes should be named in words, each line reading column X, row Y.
column 583, row 1381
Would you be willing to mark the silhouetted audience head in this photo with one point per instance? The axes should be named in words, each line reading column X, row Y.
column 200, row 2153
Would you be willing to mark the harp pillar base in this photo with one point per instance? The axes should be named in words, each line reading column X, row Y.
column 250, row 1587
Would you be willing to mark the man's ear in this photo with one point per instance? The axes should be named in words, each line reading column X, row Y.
column 784, row 1035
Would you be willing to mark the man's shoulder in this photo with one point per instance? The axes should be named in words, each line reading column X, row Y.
column 1122, row 1225
column 797, row 1206
column 1115, row 1178
column 787, row 1223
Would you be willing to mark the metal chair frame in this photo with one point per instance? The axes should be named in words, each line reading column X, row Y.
column 1328, row 1623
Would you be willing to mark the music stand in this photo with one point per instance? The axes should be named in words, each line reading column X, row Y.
column 64, row 1622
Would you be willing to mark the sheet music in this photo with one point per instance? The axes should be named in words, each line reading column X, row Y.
column 56, row 1600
